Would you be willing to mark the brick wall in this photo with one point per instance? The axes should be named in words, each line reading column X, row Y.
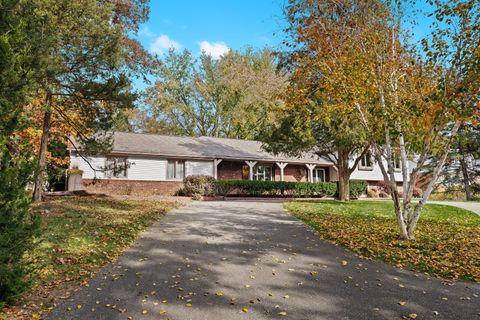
column 293, row 173
column 132, row 187
column 230, row 170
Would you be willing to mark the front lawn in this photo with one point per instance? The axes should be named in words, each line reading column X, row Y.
column 78, row 236
column 448, row 238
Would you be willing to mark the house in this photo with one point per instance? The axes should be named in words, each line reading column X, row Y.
column 149, row 163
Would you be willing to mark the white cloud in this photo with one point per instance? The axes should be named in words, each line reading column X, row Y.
column 163, row 43
column 216, row 49
column 146, row 32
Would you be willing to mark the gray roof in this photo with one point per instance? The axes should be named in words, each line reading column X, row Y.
column 200, row 148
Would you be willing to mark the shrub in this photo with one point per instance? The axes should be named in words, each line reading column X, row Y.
column 284, row 188
column 180, row 192
column 198, row 186
column 357, row 188
column 372, row 193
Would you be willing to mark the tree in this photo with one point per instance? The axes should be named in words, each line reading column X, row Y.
column 19, row 56
column 462, row 167
column 325, row 64
column 229, row 97
column 85, row 77
column 422, row 98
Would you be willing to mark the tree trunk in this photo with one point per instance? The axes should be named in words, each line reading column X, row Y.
column 343, row 175
column 42, row 155
column 436, row 172
column 466, row 177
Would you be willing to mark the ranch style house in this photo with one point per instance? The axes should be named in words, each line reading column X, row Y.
column 157, row 164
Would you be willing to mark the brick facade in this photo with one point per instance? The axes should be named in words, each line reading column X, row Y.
column 230, row 170
column 132, row 187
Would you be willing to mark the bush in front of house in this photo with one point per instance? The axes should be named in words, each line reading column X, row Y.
column 197, row 186
column 285, row 188
column 357, row 188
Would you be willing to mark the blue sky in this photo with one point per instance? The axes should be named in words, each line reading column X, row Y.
column 215, row 26
column 212, row 25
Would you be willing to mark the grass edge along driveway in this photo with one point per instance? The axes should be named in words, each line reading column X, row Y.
column 447, row 245
column 78, row 236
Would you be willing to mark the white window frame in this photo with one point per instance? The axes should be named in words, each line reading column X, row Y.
column 367, row 157
column 397, row 164
column 316, row 177
column 176, row 164
column 112, row 168
column 262, row 176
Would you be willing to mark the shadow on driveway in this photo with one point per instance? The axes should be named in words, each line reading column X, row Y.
column 252, row 260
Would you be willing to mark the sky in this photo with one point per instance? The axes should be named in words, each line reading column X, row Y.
column 215, row 26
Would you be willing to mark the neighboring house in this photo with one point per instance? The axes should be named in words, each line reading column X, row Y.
column 148, row 163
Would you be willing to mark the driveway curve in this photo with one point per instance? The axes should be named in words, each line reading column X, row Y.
column 471, row 206
column 252, row 260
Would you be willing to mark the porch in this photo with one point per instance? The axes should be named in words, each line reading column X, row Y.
column 273, row 171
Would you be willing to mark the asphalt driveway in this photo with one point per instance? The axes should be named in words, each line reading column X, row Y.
column 471, row 206
column 252, row 260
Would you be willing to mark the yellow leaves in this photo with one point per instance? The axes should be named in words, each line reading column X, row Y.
column 245, row 310
column 402, row 303
column 446, row 245
column 282, row 313
column 412, row 316
column 188, row 305
column 162, row 312
column 144, row 312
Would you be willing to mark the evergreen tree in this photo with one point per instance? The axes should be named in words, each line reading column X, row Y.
column 19, row 58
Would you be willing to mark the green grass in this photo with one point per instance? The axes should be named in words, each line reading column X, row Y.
column 78, row 236
column 447, row 239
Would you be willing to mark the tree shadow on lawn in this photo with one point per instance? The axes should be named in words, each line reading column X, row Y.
column 202, row 256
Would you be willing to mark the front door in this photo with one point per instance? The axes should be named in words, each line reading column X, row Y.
column 319, row 175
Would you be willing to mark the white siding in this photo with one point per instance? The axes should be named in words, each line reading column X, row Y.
column 147, row 169
column 198, row 168
column 376, row 173
column 140, row 168
column 88, row 173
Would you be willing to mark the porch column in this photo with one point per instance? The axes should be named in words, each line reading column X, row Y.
column 216, row 162
column 310, row 168
column 250, row 164
column 282, row 166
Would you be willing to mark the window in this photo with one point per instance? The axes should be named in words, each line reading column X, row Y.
column 262, row 173
column 397, row 164
column 175, row 169
column 366, row 162
column 116, row 167
column 319, row 175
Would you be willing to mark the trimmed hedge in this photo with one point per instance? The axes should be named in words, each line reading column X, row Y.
column 284, row 188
